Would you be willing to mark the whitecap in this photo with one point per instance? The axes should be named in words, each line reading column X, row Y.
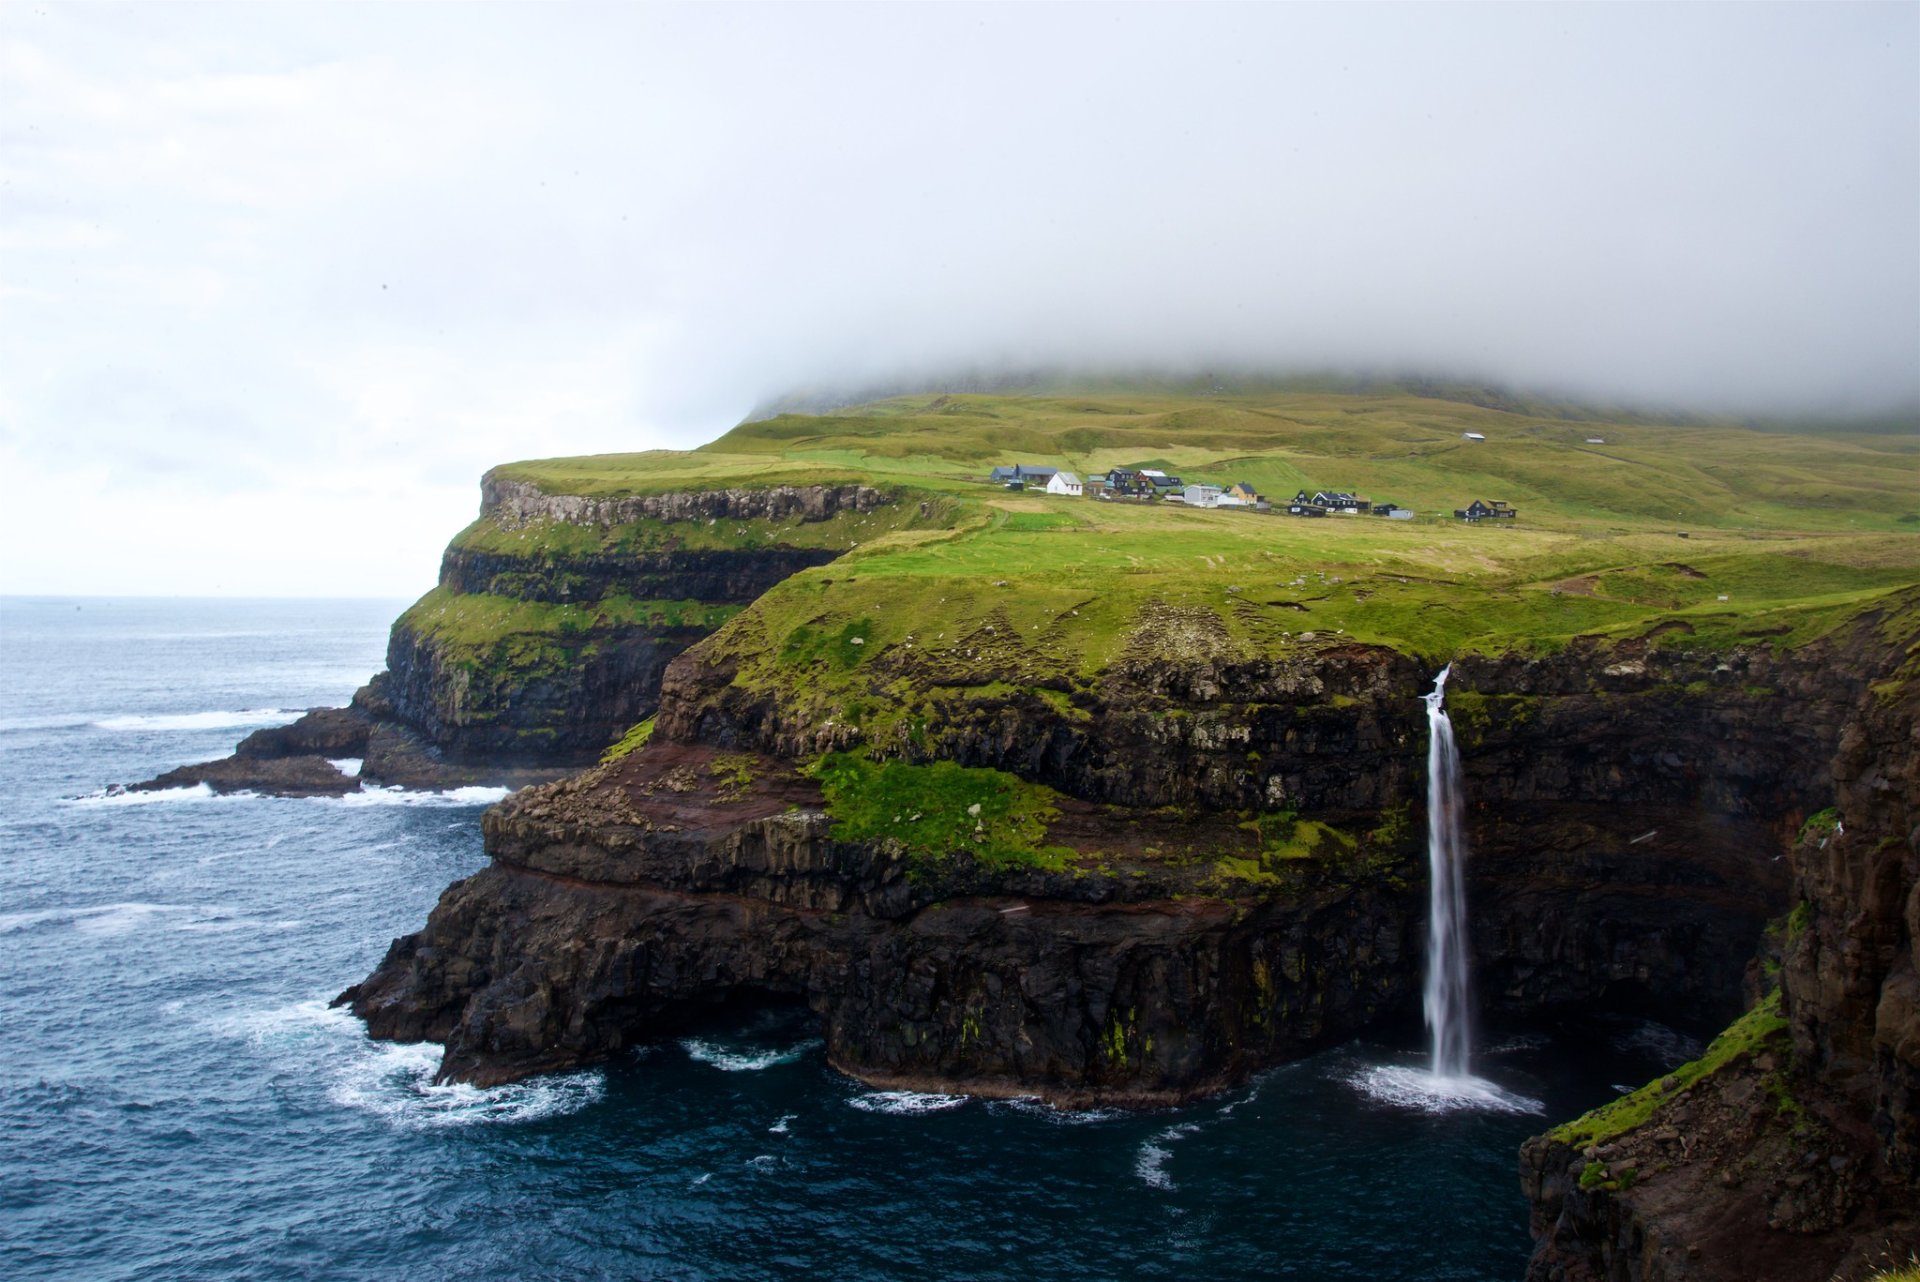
column 1150, row 1164
column 151, row 796
column 780, row 1127
column 1426, row 1092
column 394, row 1081
column 348, row 766
column 743, row 1061
column 375, row 795
column 905, row 1103
column 103, row 919
column 1034, row 1106
column 201, row 720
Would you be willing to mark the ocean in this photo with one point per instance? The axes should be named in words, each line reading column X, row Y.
column 177, row 1100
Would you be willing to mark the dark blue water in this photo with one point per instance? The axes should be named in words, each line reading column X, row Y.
column 176, row 1100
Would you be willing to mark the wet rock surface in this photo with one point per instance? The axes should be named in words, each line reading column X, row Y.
column 1799, row 1161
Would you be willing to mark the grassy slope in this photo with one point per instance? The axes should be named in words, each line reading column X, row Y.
column 1797, row 532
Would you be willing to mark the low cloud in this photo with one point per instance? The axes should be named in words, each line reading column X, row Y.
column 358, row 254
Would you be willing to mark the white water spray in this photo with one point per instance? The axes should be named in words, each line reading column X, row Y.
column 1446, row 996
column 1446, row 1086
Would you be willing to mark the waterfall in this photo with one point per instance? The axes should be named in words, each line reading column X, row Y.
column 1446, row 1084
column 1446, row 995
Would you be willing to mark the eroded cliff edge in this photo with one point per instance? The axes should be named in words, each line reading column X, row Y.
column 1790, row 1151
column 550, row 630
column 1224, row 875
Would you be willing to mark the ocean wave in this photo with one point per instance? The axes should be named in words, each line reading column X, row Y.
column 152, row 797
column 394, row 1081
column 348, row 766
column 1034, row 1106
column 905, row 1103
column 223, row 720
column 1150, row 1163
column 111, row 919
column 1417, row 1089
column 375, row 795
column 734, row 1060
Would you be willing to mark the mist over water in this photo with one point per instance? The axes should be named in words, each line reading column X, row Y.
column 181, row 1102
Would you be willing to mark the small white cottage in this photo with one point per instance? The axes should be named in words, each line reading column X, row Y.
column 1064, row 483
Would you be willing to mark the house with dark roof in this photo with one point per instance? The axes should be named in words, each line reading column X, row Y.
column 1337, row 501
column 1498, row 510
column 1020, row 476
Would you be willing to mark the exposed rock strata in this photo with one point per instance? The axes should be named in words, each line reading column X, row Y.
column 606, row 919
column 433, row 719
column 626, row 901
column 516, row 503
column 1801, row 1161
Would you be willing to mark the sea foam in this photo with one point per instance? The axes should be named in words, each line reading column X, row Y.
column 394, row 1081
column 221, row 720
column 1422, row 1091
column 905, row 1103
column 733, row 1060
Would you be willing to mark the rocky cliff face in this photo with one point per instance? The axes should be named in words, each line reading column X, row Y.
column 1796, row 1157
column 557, row 689
column 1625, row 842
column 629, row 899
column 529, row 659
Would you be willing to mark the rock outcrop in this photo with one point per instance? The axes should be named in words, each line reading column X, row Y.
column 1626, row 855
column 512, row 696
column 625, row 901
column 1797, row 1158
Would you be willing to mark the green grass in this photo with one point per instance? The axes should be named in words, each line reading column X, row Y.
column 630, row 743
column 961, row 589
column 1759, row 1028
column 937, row 811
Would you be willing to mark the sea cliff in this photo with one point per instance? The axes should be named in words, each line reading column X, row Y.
column 1119, row 803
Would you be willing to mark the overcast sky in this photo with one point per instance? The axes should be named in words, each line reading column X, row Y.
column 277, row 283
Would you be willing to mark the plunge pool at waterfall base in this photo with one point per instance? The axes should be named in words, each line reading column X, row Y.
column 180, row 1102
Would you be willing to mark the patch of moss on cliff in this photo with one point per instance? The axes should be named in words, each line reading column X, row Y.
column 495, row 661
column 1761, row 1028
column 475, row 622
column 940, row 810
column 630, row 743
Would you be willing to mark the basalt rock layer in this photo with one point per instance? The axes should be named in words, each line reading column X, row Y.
column 527, row 662
column 1798, row 1159
column 1626, row 854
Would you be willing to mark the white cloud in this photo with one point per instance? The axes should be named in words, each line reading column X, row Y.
column 305, row 271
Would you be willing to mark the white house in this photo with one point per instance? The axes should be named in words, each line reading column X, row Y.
column 1202, row 496
column 1064, row 483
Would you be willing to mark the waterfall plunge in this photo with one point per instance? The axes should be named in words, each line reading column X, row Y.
column 1446, row 1085
column 1446, row 994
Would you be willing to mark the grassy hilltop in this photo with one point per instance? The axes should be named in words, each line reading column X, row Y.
column 1796, row 531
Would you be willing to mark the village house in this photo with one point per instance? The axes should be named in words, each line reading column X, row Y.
column 1498, row 510
column 1392, row 511
column 1337, row 502
column 1020, row 476
column 1064, row 483
column 1302, row 507
column 1163, row 486
column 1244, row 492
column 1212, row 496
